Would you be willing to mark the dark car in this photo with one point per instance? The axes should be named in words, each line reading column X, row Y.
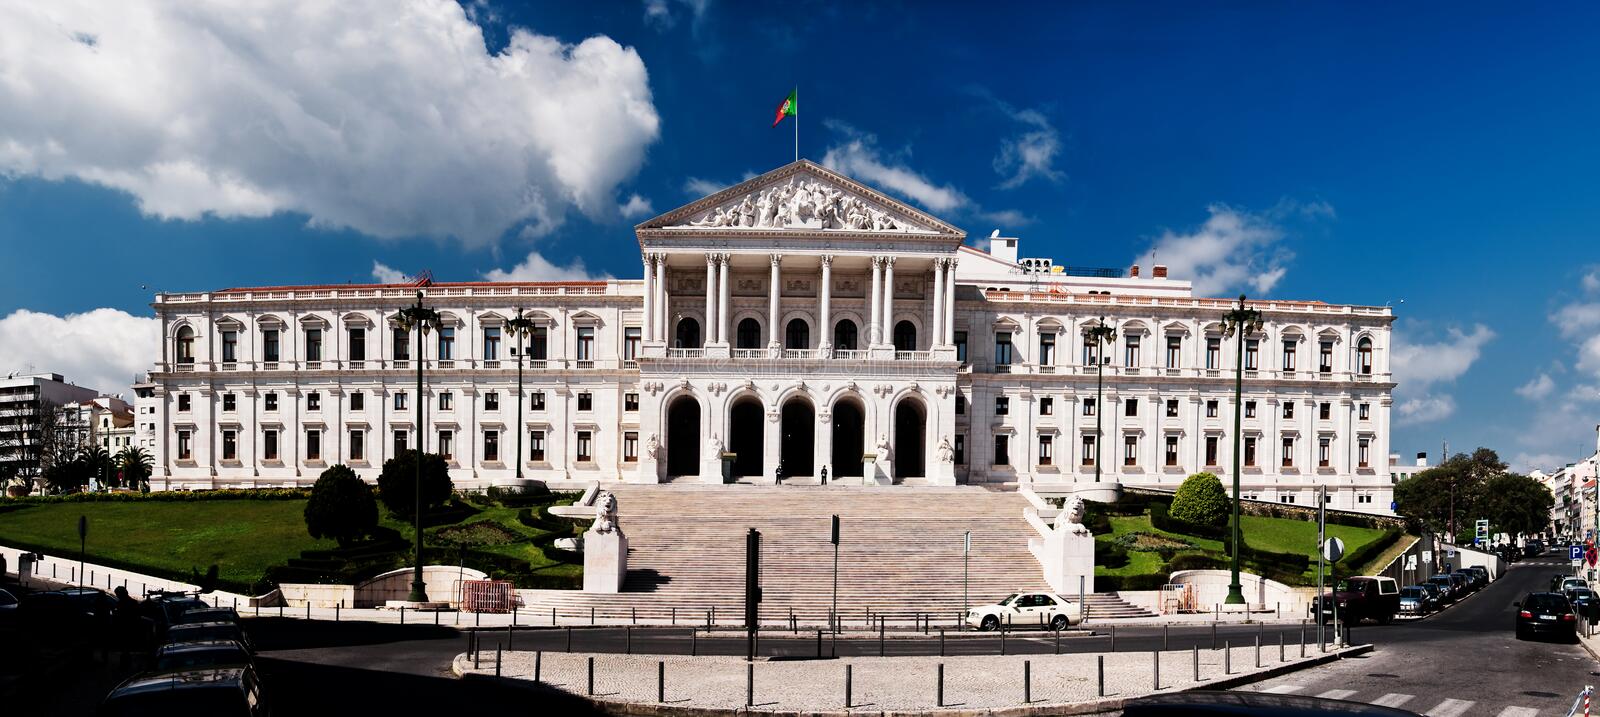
column 1415, row 601
column 206, row 614
column 226, row 692
column 1483, row 573
column 1533, row 548
column 1435, row 594
column 70, row 607
column 1584, row 601
column 203, row 631
column 8, row 608
column 1546, row 613
column 1447, row 586
column 1360, row 598
column 207, row 653
column 1249, row 704
column 1463, row 582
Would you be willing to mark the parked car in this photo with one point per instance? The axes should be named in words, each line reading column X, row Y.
column 213, row 691
column 203, row 631
column 1475, row 581
column 1546, row 613
column 8, row 608
column 1447, row 588
column 207, row 614
column 1026, row 610
column 206, row 653
column 1415, row 601
column 1482, row 572
column 1568, row 583
column 1435, row 593
column 1360, row 598
column 1584, row 601
column 1462, row 583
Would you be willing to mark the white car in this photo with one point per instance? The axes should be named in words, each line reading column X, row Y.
column 1047, row 610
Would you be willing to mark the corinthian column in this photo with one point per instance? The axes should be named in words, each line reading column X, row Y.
column 772, row 303
column 876, row 303
column 886, row 326
column 711, row 300
column 824, row 318
column 936, row 335
column 724, row 332
column 649, row 320
column 950, row 302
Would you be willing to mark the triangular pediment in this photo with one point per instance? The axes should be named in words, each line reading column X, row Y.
column 800, row 197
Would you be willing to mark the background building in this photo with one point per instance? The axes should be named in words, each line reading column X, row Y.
column 28, row 418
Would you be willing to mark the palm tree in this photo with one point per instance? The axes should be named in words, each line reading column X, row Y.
column 100, row 466
column 136, row 466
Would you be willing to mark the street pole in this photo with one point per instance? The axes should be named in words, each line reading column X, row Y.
column 421, row 320
column 1322, row 537
column 1099, row 333
column 520, row 327
column 1241, row 321
column 833, row 613
column 966, row 550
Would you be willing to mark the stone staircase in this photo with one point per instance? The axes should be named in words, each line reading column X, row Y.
column 1110, row 605
column 900, row 556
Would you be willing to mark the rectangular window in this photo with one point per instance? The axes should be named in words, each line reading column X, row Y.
column 183, row 402
column 1288, row 452
column 269, row 444
column 630, row 447
column 1172, row 408
column 1047, row 406
column 269, row 345
column 1172, row 450
column 961, row 449
column 536, row 445
column 1288, row 409
column 1088, row 407
column 1046, row 450
column 585, row 401
column 1211, row 408
column 313, row 444
column 630, row 402
column 230, row 346
column 358, row 445
column 1250, row 450
column 402, row 345
column 1002, row 348
column 1130, row 407
column 586, row 343
column 1087, row 451
column 961, row 346
column 1363, row 411
column 1174, row 351
column 1002, row 406
column 230, row 445
column 1325, row 411
column 539, row 348
column 313, row 344
column 400, row 439
column 1130, row 450
column 1361, row 498
column 1325, row 357
column 1130, row 351
column 1047, row 349
column 1211, row 450
column 1002, row 450
column 185, row 447
column 1252, row 349
column 447, row 444
column 313, row 401
column 961, row 405
column 1288, row 354
column 631, row 338
column 1286, row 499
column 491, row 446
column 358, row 401
column 447, row 343
column 536, row 401
column 358, row 344
column 1324, row 452
column 491, row 343
column 1249, row 409
column 585, row 446
column 229, row 404
column 400, row 401
column 447, row 400
column 1213, row 352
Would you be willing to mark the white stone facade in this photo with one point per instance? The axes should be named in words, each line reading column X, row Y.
column 719, row 349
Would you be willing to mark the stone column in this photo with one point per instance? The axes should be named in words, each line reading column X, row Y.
column 936, row 331
column 724, row 332
column 876, row 303
column 773, row 333
column 663, row 331
column 886, row 326
column 649, row 321
column 824, row 317
column 950, row 301
column 710, row 329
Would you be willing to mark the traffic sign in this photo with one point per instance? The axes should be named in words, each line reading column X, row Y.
column 1393, row 506
column 1333, row 549
column 1574, row 552
column 1483, row 528
column 1427, row 556
column 1450, row 552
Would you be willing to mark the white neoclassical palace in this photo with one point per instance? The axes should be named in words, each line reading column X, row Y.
column 799, row 324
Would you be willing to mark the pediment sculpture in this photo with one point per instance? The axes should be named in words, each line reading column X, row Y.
column 802, row 203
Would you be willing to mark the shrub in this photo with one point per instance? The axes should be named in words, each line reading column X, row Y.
column 397, row 484
column 1109, row 555
column 1196, row 561
column 341, row 506
column 1162, row 521
column 171, row 496
column 1113, row 583
column 1201, row 500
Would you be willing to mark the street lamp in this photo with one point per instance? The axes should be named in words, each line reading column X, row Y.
column 520, row 327
column 423, row 318
column 1239, row 321
column 1100, row 334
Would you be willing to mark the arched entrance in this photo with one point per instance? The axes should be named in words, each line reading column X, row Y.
column 797, row 335
column 745, row 424
column 683, row 437
column 849, row 438
column 748, row 335
column 905, row 336
column 688, row 335
column 909, row 423
column 844, row 335
column 798, row 440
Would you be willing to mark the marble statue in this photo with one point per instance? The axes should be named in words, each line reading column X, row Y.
column 652, row 446
column 883, row 447
column 715, row 445
column 947, row 454
column 605, row 513
column 800, row 203
column 1071, row 517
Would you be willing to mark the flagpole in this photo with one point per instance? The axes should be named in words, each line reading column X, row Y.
column 797, row 123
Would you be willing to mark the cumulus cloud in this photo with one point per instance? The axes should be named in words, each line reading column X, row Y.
column 538, row 268
column 1577, row 319
column 1233, row 250
column 388, row 118
column 1425, row 409
column 1030, row 154
column 636, row 207
column 1591, row 281
column 860, row 159
column 103, row 349
column 1420, row 368
column 384, row 274
column 1538, row 388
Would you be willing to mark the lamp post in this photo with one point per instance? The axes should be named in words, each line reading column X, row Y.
column 520, row 327
column 1100, row 334
column 1239, row 321
column 423, row 319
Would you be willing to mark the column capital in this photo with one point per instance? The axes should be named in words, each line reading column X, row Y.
column 711, row 258
column 827, row 260
column 776, row 259
column 888, row 261
column 724, row 258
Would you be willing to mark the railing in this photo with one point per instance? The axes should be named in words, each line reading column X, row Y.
column 850, row 354
column 913, row 355
column 1313, row 307
column 751, row 353
column 685, row 353
column 800, row 354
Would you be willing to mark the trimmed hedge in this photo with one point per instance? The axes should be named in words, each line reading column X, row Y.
column 1162, row 521
column 1109, row 555
column 168, row 496
column 1148, row 581
column 1196, row 561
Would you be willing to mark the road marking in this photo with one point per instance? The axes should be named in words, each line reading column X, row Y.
column 1450, row 708
column 1393, row 699
column 1519, row 712
column 1284, row 689
column 1336, row 694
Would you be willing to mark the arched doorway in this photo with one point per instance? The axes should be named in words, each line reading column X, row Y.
column 797, row 335
column 798, row 440
column 909, row 421
column 905, row 336
column 683, row 437
column 849, row 438
column 688, row 334
column 748, row 335
column 844, row 335
column 745, row 425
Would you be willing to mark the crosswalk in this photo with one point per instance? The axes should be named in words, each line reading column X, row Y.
column 1448, row 707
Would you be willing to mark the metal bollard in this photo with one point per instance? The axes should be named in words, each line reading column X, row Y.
column 538, row 665
column 497, row 659
column 1302, row 638
column 941, row 642
column 1027, row 682
column 674, row 615
column 591, row 677
column 569, row 638
column 661, row 680
column 591, row 615
column 1227, row 657
column 1196, row 649
column 308, row 609
column 1213, row 636
column 847, row 686
column 635, row 615
column 750, row 685
column 508, row 635
column 1100, row 675
column 1002, row 642
column 402, row 613
column 1258, row 652
column 1113, row 638
column 940, row 699
column 1058, row 642
column 336, row 609
column 629, row 643
column 1156, row 656
column 435, row 617
column 553, row 617
column 1166, row 637
column 1281, row 643
column 819, row 644
column 880, row 638
column 477, row 618
column 475, row 657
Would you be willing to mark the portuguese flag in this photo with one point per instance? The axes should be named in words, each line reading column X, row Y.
column 787, row 107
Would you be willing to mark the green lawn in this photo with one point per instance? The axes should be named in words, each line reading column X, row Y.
column 1281, row 535
column 241, row 537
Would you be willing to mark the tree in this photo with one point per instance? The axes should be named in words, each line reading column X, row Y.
column 1427, row 495
column 69, row 476
column 397, row 483
column 341, row 506
column 1201, row 500
column 100, row 464
column 1515, row 504
column 136, row 466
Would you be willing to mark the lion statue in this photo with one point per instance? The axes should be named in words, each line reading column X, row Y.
column 1071, row 516
column 605, row 513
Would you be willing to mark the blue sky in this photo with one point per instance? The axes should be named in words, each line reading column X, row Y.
column 1439, row 156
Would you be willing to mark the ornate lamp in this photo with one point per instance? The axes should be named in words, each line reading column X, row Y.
column 425, row 319
column 1101, row 334
column 1238, row 322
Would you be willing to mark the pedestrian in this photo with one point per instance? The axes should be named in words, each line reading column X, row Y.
column 824, row 475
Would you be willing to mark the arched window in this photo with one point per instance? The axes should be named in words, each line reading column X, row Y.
column 797, row 335
column 749, row 336
column 1364, row 356
column 844, row 335
column 185, row 345
column 905, row 336
column 688, row 334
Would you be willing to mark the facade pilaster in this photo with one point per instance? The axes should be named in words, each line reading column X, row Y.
column 876, row 303
column 950, row 301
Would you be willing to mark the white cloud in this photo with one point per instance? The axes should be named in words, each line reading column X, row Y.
column 659, row 13
column 538, row 268
column 1540, row 387
column 697, row 187
column 1425, row 409
column 384, row 274
column 1591, row 281
column 103, row 349
column 392, row 120
column 1234, row 250
column 1589, row 356
column 859, row 159
column 636, row 207
column 1417, row 366
column 1577, row 319
column 1006, row 218
column 1031, row 154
